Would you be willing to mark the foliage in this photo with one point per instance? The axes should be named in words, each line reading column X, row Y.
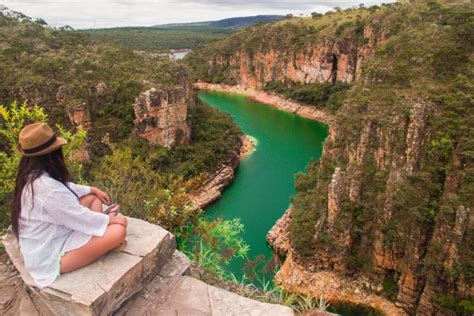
column 390, row 287
column 141, row 191
column 149, row 38
column 13, row 118
column 461, row 305
column 211, row 245
column 322, row 95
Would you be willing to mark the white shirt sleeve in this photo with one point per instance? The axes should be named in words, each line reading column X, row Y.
column 62, row 207
column 80, row 189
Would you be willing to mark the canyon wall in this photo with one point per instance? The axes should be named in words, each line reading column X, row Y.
column 322, row 59
column 389, row 207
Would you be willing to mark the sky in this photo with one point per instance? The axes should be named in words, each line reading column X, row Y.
column 112, row 13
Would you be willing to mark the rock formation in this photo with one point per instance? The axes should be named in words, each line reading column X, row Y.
column 325, row 59
column 211, row 187
column 161, row 116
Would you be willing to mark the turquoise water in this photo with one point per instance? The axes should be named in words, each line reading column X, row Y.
column 264, row 183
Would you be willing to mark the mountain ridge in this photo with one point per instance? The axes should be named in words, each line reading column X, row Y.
column 233, row 22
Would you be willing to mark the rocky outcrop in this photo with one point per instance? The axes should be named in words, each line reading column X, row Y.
column 396, row 153
column 161, row 116
column 295, row 278
column 279, row 236
column 76, row 110
column 211, row 187
column 326, row 61
column 248, row 146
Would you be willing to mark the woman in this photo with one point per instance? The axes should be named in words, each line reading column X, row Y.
column 60, row 225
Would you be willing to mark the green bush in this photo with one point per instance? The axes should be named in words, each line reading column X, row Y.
column 390, row 287
column 461, row 305
column 322, row 95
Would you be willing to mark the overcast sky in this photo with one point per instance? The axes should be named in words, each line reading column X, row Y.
column 110, row 13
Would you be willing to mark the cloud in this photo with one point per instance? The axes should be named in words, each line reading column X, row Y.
column 110, row 13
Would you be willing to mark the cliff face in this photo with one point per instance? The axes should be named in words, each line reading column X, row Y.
column 288, row 53
column 391, row 200
column 161, row 117
column 327, row 60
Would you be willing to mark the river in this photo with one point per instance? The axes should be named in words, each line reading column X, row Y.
column 264, row 183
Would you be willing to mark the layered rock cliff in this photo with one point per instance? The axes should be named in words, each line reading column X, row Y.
column 390, row 202
column 161, row 117
column 288, row 52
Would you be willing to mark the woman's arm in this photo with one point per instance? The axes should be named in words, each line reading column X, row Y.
column 103, row 197
column 82, row 190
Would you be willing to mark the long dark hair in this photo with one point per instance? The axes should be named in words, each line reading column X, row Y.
column 30, row 169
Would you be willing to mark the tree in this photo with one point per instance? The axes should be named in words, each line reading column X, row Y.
column 41, row 22
column 316, row 15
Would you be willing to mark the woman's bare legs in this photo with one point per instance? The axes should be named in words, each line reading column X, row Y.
column 97, row 246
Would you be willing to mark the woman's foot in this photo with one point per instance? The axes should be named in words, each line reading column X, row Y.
column 113, row 209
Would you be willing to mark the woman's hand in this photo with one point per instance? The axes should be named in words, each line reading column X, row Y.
column 118, row 219
column 103, row 197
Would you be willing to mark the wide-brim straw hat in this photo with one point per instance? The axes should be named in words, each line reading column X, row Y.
column 38, row 139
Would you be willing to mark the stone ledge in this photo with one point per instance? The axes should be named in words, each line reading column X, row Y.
column 102, row 287
column 194, row 297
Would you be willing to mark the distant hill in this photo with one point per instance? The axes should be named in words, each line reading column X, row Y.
column 236, row 23
column 178, row 35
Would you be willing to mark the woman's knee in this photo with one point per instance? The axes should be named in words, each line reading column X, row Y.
column 87, row 200
column 117, row 233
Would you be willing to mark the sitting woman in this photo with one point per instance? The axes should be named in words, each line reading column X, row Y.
column 60, row 225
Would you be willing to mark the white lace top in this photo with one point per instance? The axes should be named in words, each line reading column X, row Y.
column 54, row 222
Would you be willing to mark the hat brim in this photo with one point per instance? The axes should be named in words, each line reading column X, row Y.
column 60, row 142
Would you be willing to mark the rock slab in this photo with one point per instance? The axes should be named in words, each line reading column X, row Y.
column 194, row 297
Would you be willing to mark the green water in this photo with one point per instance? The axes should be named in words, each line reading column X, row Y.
column 261, row 191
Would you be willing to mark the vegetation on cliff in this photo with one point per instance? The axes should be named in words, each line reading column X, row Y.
column 327, row 96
